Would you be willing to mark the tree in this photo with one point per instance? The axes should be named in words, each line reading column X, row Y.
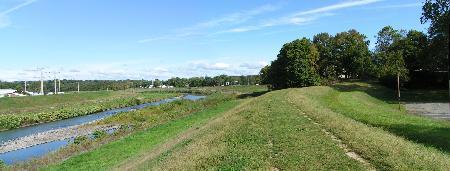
column 327, row 63
column 352, row 51
column 414, row 48
column 391, row 46
column 156, row 83
column 437, row 13
column 264, row 74
column 295, row 65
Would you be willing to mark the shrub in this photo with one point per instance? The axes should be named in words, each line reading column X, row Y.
column 80, row 139
column 99, row 134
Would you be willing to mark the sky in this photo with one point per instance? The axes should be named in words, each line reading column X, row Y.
column 140, row 39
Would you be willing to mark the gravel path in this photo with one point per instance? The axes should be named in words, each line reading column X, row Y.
column 434, row 110
column 49, row 136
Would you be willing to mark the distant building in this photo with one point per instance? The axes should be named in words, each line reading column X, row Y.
column 5, row 92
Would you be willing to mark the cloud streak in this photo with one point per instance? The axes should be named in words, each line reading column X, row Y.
column 301, row 17
column 4, row 18
column 226, row 20
column 399, row 6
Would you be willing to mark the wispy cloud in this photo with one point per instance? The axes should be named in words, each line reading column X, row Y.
column 238, row 22
column 334, row 7
column 409, row 5
column 223, row 21
column 4, row 18
column 301, row 17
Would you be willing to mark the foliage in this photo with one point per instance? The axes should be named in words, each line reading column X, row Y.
column 295, row 65
column 328, row 64
column 437, row 13
column 2, row 164
column 80, row 139
column 99, row 134
column 264, row 74
column 352, row 51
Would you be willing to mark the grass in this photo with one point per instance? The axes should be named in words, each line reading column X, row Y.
column 357, row 104
column 116, row 152
column 356, row 118
column 57, row 110
column 265, row 134
column 36, row 103
column 272, row 131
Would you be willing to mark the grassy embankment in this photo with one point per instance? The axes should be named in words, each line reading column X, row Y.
column 266, row 134
column 22, row 111
column 136, row 121
column 274, row 131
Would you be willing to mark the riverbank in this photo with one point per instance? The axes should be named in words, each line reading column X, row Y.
column 53, row 135
column 74, row 109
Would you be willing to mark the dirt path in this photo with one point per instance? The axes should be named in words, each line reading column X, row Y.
column 433, row 110
column 132, row 164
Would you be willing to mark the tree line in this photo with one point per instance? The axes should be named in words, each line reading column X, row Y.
column 97, row 85
column 420, row 59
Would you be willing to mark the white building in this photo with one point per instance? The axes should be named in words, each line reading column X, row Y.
column 4, row 92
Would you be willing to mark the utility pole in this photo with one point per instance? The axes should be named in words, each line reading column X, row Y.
column 78, row 86
column 25, row 87
column 398, row 89
column 42, row 83
column 55, row 86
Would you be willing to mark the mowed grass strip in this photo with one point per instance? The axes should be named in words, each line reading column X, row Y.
column 114, row 153
column 383, row 149
column 267, row 134
column 361, row 106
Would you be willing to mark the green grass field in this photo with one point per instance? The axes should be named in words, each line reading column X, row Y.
column 348, row 126
column 23, row 111
column 36, row 103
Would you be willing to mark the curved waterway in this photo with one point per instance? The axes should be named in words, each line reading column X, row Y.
column 42, row 149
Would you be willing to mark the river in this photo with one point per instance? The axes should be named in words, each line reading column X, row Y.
column 42, row 149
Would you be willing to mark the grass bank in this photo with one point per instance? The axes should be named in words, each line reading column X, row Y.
column 74, row 109
column 132, row 146
column 366, row 124
column 374, row 105
column 264, row 134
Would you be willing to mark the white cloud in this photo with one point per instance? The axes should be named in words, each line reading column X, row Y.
column 301, row 17
column 4, row 18
column 138, row 70
column 210, row 66
column 342, row 5
column 204, row 27
column 399, row 6
column 257, row 65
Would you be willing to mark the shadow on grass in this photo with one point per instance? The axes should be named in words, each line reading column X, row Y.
column 417, row 129
column 253, row 94
column 390, row 95
column 431, row 136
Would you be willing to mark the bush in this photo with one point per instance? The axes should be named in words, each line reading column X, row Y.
column 2, row 164
column 99, row 134
column 80, row 139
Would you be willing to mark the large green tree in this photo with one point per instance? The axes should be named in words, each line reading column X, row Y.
column 437, row 13
column 295, row 65
column 389, row 53
column 327, row 63
column 352, row 51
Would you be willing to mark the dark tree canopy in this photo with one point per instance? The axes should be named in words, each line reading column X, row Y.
column 295, row 65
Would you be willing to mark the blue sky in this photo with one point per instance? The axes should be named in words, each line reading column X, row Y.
column 138, row 39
